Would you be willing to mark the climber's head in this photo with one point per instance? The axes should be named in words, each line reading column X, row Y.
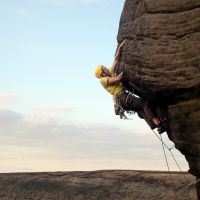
column 102, row 71
column 98, row 71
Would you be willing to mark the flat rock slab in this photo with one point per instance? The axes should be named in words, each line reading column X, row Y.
column 97, row 185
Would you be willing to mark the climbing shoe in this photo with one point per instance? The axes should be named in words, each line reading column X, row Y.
column 162, row 126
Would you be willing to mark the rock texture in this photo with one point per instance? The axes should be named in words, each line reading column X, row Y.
column 97, row 185
column 161, row 63
column 162, row 56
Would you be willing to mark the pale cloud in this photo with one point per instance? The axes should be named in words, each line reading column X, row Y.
column 53, row 111
column 10, row 98
column 40, row 143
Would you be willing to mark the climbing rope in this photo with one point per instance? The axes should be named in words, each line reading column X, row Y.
column 190, row 184
column 165, row 146
column 165, row 153
column 168, row 166
column 198, row 180
column 169, row 150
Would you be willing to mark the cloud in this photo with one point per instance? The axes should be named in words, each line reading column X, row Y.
column 53, row 110
column 47, row 144
column 9, row 118
column 10, row 98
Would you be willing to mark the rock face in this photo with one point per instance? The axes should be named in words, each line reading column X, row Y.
column 162, row 54
column 161, row 62
column 94, row 185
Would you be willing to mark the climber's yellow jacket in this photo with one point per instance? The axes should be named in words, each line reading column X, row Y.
column 115, row 89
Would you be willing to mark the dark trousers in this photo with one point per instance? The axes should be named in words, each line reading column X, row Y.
column 130, row 102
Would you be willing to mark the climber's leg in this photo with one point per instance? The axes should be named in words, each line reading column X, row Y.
column 151, row 113
column 148, row 120
column 133, row 103
column 130, row 102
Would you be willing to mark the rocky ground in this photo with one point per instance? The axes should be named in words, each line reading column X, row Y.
column 97, row 185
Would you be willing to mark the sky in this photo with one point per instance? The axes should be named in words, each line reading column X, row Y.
column 54, row 114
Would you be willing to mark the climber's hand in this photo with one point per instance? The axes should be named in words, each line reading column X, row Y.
column 117, row 53
column 122, row 43
column 119, row 76
column 115, row 79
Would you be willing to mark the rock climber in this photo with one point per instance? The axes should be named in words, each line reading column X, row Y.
column 124, row 100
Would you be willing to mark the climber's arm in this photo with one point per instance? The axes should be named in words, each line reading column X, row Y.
column 117, row 54
column 115, row 79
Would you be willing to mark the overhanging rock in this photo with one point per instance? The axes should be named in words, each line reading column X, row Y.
column 161, row 62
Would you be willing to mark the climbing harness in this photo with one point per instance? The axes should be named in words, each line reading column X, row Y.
column 130, row 112
column 119, row 110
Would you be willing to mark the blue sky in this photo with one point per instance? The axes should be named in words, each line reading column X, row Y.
column 54, row 114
